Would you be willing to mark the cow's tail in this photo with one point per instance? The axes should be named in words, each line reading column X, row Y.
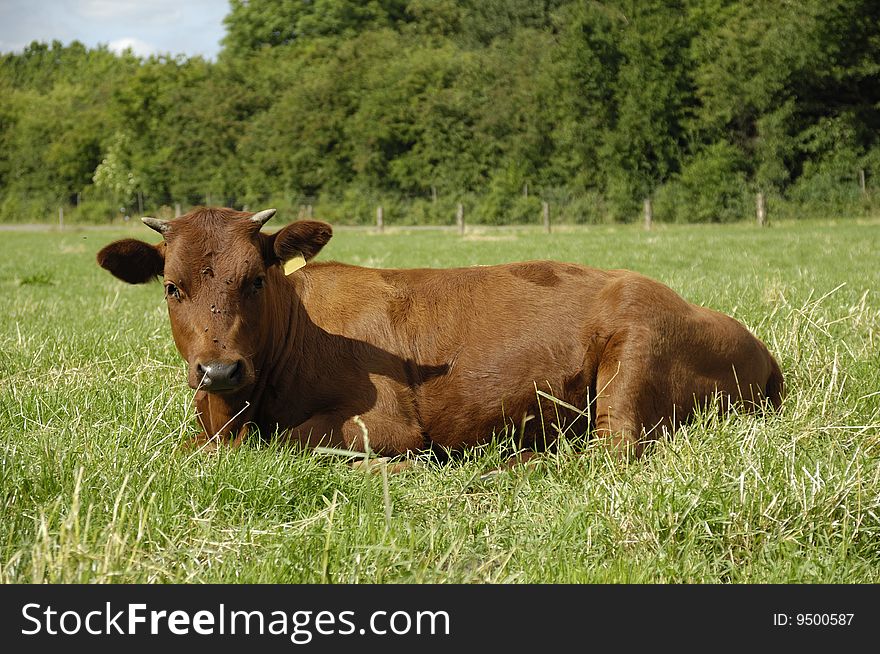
column 775, row 389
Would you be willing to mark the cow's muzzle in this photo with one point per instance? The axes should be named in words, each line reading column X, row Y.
column 216, row 376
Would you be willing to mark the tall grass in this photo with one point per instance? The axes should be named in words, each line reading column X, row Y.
column 94, row 406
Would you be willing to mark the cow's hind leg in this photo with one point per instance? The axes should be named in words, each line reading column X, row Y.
column 629, row 405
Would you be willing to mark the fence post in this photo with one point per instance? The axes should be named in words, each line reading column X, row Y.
column 177, row 209
column 309, row 211
column 649, row 213
column 380, row 219
column 862, row 181
column 433, row 194
column 60, row 217
column 526, row 190
column 545, row 210
column 459, row 218
column 761, row 208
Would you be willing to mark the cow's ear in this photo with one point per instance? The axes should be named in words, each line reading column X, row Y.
column 305, row 237
column 133, row 261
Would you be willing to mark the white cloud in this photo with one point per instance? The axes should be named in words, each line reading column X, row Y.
column 140, row 48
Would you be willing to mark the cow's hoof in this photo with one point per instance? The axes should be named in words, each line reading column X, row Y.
column 526, row 460
column 374, row 466
column 200, row 443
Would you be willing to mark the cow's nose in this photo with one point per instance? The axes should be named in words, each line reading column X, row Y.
column 220, row 375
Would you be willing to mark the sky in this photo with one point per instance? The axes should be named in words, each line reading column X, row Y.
column 189, row 27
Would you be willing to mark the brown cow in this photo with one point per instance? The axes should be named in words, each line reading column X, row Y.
column 430, row 358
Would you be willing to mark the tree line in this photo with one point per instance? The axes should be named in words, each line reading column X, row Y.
column 419, row 105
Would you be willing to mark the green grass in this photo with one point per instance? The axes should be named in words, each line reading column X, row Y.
column 93, row 406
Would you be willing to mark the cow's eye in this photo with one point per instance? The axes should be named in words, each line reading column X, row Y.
column 172, row 291
column 259, row 282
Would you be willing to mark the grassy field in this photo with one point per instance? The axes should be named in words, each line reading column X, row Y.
column 93, row 405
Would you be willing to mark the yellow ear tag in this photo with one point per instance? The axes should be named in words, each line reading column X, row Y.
column 292, row 265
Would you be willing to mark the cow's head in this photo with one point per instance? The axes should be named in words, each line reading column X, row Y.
column 223, row 284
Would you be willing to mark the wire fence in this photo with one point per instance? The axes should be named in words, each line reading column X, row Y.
column 539, row 207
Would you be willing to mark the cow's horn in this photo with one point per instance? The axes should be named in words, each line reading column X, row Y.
column 160, row 226
column 261, row 217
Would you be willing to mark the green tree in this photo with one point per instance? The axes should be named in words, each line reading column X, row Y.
column 645, row 135
column 698, row 103
column 255, row 24
column 115, row 173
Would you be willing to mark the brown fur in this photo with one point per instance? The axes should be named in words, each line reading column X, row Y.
column 436, row 358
